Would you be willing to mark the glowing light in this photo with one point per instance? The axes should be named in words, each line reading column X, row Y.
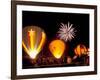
column 42, row 41
column 33, row 40
column 57, row 48
column 69, row 60
column 66, row 32
column 33, row 54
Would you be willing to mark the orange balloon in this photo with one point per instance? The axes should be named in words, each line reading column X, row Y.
column 57, row 48
column 80, row 49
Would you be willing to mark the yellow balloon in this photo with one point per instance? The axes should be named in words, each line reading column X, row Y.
column 57, row 48
column 33, row 39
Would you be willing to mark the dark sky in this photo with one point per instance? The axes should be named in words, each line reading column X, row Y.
column 50, row 23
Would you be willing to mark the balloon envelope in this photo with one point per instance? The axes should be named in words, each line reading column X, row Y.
column 57, row 48
column 33, row 39
column 80, row 50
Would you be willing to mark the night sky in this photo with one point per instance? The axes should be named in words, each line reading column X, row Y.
column 50, row 23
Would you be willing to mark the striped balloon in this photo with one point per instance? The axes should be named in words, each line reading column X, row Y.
column 80, row 50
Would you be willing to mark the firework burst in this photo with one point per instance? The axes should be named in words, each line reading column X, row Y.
column 66, row 32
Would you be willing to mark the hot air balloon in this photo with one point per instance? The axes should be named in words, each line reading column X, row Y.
column 80, row 50
column 57, row 48
column 33, row 39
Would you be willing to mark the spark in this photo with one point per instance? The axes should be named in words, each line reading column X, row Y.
column 66, row 32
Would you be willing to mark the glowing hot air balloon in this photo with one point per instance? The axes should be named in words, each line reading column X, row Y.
column 33, row 40
column 57, row 48
column 80, row 50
